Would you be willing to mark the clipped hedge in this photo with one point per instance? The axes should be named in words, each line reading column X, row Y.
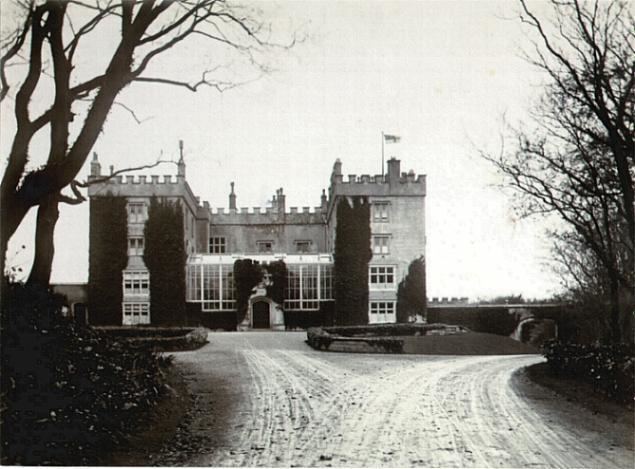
column 320, row 339
column 610, row 368
column 384, row 338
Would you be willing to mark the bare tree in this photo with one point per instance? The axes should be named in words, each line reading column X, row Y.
column 48, row 43
column 576, row 158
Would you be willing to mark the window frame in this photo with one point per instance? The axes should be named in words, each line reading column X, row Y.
column 381, row 211
column 139, row 283
column 217, row 245
column 136, row 245
column 379, row 273
column 381, row 249
column 264, row 242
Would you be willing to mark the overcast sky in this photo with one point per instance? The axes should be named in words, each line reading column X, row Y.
column 439, row 74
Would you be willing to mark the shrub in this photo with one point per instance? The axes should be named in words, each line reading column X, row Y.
column 610, row 368
column 68, row 394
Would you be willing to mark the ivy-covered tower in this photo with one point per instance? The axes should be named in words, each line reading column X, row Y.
column 132, row 281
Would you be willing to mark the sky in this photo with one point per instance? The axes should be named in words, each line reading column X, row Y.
column 441, row 75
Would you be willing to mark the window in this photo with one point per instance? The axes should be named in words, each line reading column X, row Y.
column 136, row 283
column 382, row 277
column 326, row 282
column 382, row 311
column 137, row 212
column 380, row 211
column 380, row 244
column 136, row 313
column 217, row 245
column 135, row 246
column 264, row 246
column 212, row 285
column 303, row 282
column 303, row 246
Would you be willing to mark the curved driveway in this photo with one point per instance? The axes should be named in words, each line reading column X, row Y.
column 267, row 399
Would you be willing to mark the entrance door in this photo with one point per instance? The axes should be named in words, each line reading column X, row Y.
column 260, row 312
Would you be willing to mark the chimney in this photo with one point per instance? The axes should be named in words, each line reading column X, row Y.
column 393, row 171
column 232, row 198
column 281, row 201
column 323, row 201
column 180, row 175
column 95, row 167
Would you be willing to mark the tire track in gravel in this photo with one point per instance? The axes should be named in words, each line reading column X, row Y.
column 309, row 408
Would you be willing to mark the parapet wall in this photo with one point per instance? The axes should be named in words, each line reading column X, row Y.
column 267, row 215
column 145, row 186
column 408, row 184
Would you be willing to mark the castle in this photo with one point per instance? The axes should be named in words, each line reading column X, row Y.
column 303, row 238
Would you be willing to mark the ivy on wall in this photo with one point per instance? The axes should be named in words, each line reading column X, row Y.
column 247, row 274
column 278, row 272
column 411, row 293
column 351, row 257
column 108, row 256
column 164, row 256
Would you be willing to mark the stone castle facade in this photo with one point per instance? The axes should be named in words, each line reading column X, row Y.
column 304, row 238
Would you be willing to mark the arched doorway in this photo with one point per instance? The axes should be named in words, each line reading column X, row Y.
column 260, row 318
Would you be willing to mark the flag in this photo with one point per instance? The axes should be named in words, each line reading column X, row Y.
column 391, row 138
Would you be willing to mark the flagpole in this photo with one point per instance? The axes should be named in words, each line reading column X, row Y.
column 382, row 154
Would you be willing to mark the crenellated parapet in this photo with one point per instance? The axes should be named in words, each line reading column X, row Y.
column 266, row 216
column 393, row 183
column 142, row 186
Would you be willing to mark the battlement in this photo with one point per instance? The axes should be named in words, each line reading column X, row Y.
column 405, row 178
column 139, row 180
column 261, row 210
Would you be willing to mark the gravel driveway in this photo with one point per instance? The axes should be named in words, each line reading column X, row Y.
column 267, row 399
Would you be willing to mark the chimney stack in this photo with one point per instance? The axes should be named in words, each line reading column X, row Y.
column 232, row 198
column 95, row 166
column 393, row 171
column 181, row 164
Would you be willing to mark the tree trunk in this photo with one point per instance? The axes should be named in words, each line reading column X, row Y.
column 47, row 216
column 614, row 292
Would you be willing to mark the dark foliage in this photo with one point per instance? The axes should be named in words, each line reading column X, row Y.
column 278, row 271
column 69, row 394
column 247, row 274
column 491, row 320
column 610, row 368
column 351, row 257
column 411, row 293
column 322, row 339
column 164, row 256
column 107, row 258
column 301, row 319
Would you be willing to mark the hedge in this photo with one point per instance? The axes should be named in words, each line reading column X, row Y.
column 69, row 394
column 609, row 368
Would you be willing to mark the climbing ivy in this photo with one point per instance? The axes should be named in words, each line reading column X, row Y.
column 277, row 290
column 351, row 257
column 411, row 293
column 247, row 274
column 108, row 255
column 164, row 256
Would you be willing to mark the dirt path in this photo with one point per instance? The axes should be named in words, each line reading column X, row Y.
column 267, row 399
